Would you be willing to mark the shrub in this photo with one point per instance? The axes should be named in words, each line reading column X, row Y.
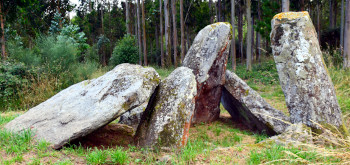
column 19, row 53
column 57, row 54
column 125, row 51
column 13, row 76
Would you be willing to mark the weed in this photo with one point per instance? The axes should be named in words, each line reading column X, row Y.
column 15, row 143
column 97, row 156
column 118, row 156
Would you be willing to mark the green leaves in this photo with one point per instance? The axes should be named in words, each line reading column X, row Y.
column 126, row 51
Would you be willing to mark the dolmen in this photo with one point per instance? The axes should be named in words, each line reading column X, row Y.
column 162, row 111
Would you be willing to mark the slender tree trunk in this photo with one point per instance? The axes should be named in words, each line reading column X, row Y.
column 188, row 37
column 161, row 34
column 347, row 36
column 223, row 9
column 302, row 5
column 182, row 24
column 249, row 35
column 258, row 42
column 139, row 31
column 144, row 35
column 258, row 47
column 156, row 33
column 167, row 33
column 285, row 5
column 173, row 8
column 219, row 11
column 3, row 41
column 319, row 12
column 331, row 13
column 342, row 28
column 90, row 6
column 210, row 10
column 252, row 40
column 233, row 40
column 240, row 30
column 104, row 59
column 127, row 8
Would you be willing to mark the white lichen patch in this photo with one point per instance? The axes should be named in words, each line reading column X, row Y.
column 308, row 90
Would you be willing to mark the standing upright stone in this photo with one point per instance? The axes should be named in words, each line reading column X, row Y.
column 167, row 118
column 207, row 57
column 308, row 89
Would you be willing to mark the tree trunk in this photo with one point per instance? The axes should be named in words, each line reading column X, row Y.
column 302, row 5
column 127, row 8
column 103, row 47
column 342, row 27
column 318, row 21
column 144, row 35
column 285, row 5
column 347, row 36
column 161, row 34
column 3, row 41
column 173, row 8
column 249, row 35
column 139, row 31
column 210, row 11
column 332, row 5
column 182, row 24
column 240, row 30
column 252, row 40
column 233, row 41
column 257, row 48
column 167, row 33
column 258, row 36
column 219, row 11
column 90, row 6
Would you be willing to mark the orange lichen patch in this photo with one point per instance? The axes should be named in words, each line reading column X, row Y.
column 291, row 15
column 186, row 133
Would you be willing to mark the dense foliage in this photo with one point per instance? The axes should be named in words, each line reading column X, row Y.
column 125, row 51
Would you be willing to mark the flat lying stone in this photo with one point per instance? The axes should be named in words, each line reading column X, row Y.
column 308, row 89
column 207, row 57
column 86, row 106
column 167, row 118
column 295, row 135
column 246, row 105
column 132, row 118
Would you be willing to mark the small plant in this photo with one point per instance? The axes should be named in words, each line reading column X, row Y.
column 97, row 156
column 217, row 131
column 118, row 156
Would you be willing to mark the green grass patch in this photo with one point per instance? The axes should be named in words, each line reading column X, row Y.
column 277, row 154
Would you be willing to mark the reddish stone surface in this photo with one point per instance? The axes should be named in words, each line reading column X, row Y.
column 209, row 93
column 207, row 58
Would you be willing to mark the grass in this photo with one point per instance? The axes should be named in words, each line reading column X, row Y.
column 221, row 142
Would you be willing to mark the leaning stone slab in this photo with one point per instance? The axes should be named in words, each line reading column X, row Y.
column 246, row 105
column 308, row 89
column 86, row 106
column 207, row 57
column 167, row 118
column 132, row 118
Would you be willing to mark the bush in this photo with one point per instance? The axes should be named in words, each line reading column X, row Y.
column 21, row 54
column 13, row 76
column 57, row 54
column 125, row 51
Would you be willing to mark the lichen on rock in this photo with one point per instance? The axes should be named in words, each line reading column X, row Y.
column 207, row 57
column 86, row 106
column 308, row 89
column 246, row 105
column 166, row 120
